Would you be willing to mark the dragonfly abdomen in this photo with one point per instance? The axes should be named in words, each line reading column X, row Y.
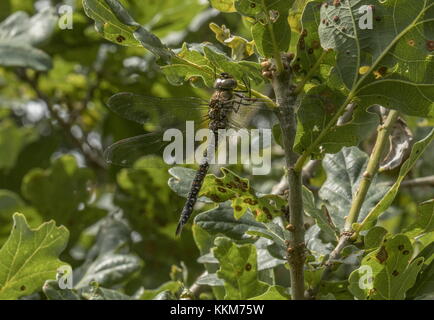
column 192, row 196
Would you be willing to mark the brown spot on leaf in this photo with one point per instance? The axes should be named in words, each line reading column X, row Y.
column 221, row 189
column 244, row 186
column 430, row 45
column 120, row 38
column 267, row 213
column 23, row 287
column 405, row 252
column 316, row 44
column 382, row 255
column 400, row 247
column 238, row 208
column 214, row 198
column 248, row 201
column 248, row 267
column 411, row 43
column 395, row 273
column 382, row 70
column 336, row 19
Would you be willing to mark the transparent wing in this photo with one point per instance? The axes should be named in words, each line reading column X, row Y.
column 162, row 111
column 127, row 151
column 252, row 113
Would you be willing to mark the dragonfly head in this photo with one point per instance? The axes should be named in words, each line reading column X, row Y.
column 225, row 82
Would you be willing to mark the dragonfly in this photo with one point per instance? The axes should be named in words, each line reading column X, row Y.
column 227, row 108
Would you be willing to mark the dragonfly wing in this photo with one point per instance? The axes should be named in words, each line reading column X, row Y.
column 126, row 152
column 145, row 109
column 252, row 113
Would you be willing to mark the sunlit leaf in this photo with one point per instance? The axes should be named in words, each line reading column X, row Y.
column 29, row 257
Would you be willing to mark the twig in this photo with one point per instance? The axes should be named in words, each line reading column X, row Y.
column 372, row 168
column 419, row 182
column 384, row 131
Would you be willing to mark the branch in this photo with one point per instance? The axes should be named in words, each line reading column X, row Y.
column 287, row 119
column 87, row 150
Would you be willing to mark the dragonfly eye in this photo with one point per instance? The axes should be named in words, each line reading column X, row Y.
column 226, row 81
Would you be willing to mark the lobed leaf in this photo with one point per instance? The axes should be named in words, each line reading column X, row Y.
column 29, row 257
column 393, row 272
column 114, row 23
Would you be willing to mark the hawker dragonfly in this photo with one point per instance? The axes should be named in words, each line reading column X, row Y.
column 227, row 108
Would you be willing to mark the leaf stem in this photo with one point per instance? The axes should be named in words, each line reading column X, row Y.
column 384, row 131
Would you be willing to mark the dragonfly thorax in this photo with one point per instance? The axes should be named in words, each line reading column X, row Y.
column 225, row 82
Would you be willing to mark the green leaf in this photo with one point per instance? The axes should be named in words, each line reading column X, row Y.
column 221, row 220
column 425, row 218
column 308, row 46
column 396, row 53
column 374, row 238
column 317, row 109
column 223, row 5
column 417, row 150
column 12, row 141
column 240, row 70
column 105, row 263
column 29, row 257
column 19, row 55
column 173, row 286
column 19, row 35
column 393, row 272
column 238, row 268
column 273, row 293
column 205, row 242
column 9, row 204
column 114, row 23
column 188, row 65
column 425, row 280
column 240, row 47
column 271, row 31
column 58, row 192
column 344, row 173
column 110, row 269
column 232, row 187
column 54, row 292
column 321, row 216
